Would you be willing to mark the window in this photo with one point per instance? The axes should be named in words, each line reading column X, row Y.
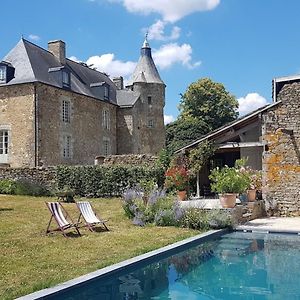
column 2, row 74
column 67, row 146
column 106, row 146
column 151, row 123
column 66, row 111
column 106, row 92
column 3, row 142
column 106, row 119
column 149, row 100
column 65, row 79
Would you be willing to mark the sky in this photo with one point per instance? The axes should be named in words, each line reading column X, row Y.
column 242, row 44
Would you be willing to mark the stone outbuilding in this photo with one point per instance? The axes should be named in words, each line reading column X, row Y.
column 54, row 110
column 270, row 138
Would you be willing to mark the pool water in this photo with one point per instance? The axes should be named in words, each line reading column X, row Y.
column 235, row 266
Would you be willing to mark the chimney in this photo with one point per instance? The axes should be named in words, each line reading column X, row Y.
column 58, row 49
column 119, row 82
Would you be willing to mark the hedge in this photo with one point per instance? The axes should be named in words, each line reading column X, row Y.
column 100, row 181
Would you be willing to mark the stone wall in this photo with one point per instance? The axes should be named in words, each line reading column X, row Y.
column 134, row 160
column 85, row 128
column 281, row 158
column 43, row 176
column 18, row 117
column 147, row 139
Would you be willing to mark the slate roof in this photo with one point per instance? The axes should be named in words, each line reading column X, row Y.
column 32, row 64
column 145, row 70
column 127, row 98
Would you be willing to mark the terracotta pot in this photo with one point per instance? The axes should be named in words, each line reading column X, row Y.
column 182, row 195
column 251, row 195
column 227, row 200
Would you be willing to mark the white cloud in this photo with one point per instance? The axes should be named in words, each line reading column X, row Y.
column 251, row 102
column 170, row 10
column 108, row 64
column 172, row 53
column 74, row 58
column 157, row 32
column 34, row 37
column 168, row 119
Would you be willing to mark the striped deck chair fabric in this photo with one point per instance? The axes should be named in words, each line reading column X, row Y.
column 89, row 215
column 56, row 210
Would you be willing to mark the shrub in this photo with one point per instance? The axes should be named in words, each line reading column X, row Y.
column 201, row 219
column 97, row 181
column 7, row 186
column 160, row 209
column 195, row 218
column 25, row 187
column 219, row 219
column 22, row 187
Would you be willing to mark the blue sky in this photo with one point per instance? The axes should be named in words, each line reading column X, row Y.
column 240, row 43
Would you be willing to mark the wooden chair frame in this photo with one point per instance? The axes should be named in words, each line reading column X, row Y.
column 90, row 225
column 60, row 219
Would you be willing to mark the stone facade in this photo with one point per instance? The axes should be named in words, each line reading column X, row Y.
column 141, row 128
column 17, row 117
column 56, row 111
column 281, row 158
column 85, row 128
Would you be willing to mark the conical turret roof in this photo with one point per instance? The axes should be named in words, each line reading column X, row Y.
column 145, row 70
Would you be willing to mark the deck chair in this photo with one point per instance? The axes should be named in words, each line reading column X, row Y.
column 60, row 215
column 89, row 215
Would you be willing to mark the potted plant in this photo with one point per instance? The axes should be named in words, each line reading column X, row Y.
column 255, row 184
column 177, row 178
column 228, row 182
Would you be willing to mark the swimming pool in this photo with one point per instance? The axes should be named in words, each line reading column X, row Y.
column 236, row 265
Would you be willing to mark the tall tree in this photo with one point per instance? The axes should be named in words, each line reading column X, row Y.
column 205, row 106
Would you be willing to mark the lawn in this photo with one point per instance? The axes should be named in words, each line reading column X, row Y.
column 31, row 260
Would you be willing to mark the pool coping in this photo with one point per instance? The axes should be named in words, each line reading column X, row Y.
column 121, row 265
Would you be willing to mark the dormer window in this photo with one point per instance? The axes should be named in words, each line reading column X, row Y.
column 66, row 79
column 7, row 72
column 106, row 92
column 2, row 74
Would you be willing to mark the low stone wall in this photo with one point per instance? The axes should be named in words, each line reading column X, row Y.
column 130, row 159
column 43, row 176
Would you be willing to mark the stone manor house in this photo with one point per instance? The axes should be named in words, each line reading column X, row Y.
column 57, row 111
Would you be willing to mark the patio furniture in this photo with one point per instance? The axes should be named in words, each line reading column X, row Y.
column 60, row 215
column 90, row 217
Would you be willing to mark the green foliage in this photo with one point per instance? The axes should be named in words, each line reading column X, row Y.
column 184, row 131
column 25, row 187
column 164, row 159
column 205, row 106
column 161, row 210
column 200, row 219
column 7, row 186
column 195, row 218
column 210, row 102
column 218, row 218
column 199, row 156
column 98, row 181
column 177, row 178
column 230, row 180
column 22, row 187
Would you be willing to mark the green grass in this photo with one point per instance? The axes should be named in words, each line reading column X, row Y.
column 30, row 260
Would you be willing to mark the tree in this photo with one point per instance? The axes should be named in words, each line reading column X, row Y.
column 205, row 106
column 210, row 102
column 183, row 131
